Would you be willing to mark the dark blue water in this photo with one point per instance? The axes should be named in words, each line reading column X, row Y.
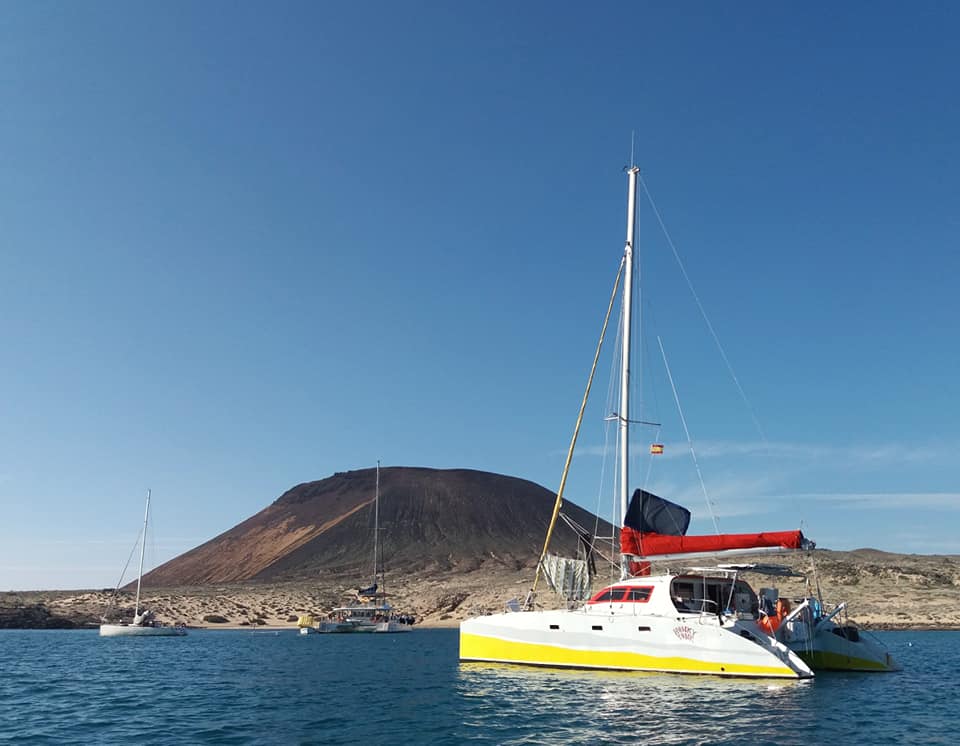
column 248, row 687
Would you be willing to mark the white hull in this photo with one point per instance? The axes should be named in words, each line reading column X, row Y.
column 629, row 642
column 344, row 627
column 393, row 627
column 133, row 630
column 361, row 626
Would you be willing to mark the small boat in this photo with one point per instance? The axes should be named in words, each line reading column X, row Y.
column 371, row 612
column 143, row 623
column 805, row 626
column 642, row 622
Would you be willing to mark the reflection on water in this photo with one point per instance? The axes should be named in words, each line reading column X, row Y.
column 625, row 707
column 526, row 705
column 242, row 688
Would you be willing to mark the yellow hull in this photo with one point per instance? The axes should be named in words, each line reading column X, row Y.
column 822, row 661
column 483, row 648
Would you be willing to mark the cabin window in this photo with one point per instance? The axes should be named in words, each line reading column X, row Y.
column 554, row 626
column 643, row 629
column 683, row 596
column 639, row 595
column 623, row 593
column 598, row 627
column 610, row 594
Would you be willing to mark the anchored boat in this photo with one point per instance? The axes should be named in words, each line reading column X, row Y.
column 824, row 639
column 143, row 623
column 371, row 612
column 642, row 622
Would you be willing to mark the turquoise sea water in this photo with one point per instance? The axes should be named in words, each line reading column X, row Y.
column 245, row 687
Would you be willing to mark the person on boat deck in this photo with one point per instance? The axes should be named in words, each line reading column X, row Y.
column 783, row 608
column 771, row 622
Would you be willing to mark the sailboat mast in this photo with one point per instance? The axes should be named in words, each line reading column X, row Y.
column 376, row 529
column 143, row 546
column 624, row 418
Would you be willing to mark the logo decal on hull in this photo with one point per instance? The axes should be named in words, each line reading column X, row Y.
column 684, row 632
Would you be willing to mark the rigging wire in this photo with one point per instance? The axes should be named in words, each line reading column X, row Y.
column 654, row 395
column 646, row 477
column 706, row 319
column 607, row 424
column 573, row 441
column 613, row 410
column 693, row 452
column 116, row 590
column 703, row 313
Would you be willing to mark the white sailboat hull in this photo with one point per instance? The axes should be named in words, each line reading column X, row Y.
column 134, row 630
column 628, row 642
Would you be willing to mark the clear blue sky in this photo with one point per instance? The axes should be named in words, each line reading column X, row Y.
column 247, row 245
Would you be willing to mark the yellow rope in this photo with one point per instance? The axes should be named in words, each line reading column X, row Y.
column 573, row 442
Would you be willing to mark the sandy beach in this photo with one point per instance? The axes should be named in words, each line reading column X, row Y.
column 882, row 591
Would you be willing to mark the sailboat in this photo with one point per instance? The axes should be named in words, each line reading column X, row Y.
column 675, row 622
column 371, row 612
column 143, row 623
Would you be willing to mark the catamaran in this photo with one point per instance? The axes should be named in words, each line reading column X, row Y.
column 143, row 623
column 371, row 612
column 676, row 622
column 691, row 620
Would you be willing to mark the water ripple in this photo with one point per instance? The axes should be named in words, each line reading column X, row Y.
column 262, row 688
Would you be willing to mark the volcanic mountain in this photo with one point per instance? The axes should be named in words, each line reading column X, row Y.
column 432, row 520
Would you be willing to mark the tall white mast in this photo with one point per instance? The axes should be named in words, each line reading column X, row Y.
column 376, row 529
column 143, row 546
column 624, row 414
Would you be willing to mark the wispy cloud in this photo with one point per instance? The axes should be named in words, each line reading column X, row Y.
column 729, row 496
column 858, row 453
column 888, row 500
column 925, row 544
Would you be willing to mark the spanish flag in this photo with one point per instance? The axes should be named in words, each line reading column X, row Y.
column 656, row 449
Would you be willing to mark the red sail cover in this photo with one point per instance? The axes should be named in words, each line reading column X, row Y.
column 647, row 544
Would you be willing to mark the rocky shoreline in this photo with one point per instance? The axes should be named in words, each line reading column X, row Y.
column 883, row 592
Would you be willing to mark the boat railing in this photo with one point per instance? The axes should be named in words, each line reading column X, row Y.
column 823, row 620
column 696, row 606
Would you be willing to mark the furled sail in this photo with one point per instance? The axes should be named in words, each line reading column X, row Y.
column 568, row 577
column 641, row 544
column 649, row 513
column 654, row 526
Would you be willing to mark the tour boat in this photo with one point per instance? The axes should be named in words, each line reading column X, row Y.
column 371, row 612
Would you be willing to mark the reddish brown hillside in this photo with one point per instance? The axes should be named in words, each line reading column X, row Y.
column 430, row 519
